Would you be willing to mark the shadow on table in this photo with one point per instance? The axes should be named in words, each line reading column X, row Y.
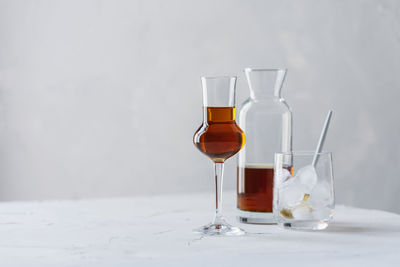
column 343, row 227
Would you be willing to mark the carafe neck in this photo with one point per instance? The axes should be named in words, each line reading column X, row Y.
column 265, row 83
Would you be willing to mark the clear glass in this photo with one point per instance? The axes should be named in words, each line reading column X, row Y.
column 266, row 119
column 303, row 194
column 219, row 138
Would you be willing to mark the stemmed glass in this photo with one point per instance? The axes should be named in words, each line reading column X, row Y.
column 219, row 138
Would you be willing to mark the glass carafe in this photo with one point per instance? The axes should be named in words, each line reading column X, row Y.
column 266, row 119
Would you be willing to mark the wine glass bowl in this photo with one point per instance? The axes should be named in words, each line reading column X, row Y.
column 219, row 137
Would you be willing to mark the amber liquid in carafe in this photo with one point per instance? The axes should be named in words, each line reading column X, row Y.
column 219, row 137
column 256, row 193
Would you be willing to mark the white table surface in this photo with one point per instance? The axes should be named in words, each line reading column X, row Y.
column 156, row 231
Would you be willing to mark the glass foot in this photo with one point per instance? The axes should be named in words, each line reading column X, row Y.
column 219, row 229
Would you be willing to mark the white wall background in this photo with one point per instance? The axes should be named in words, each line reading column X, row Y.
column 101, row 98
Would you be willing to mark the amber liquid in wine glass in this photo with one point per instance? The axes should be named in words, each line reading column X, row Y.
column 219, row 137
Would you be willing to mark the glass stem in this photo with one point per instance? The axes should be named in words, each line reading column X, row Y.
column 219, row 176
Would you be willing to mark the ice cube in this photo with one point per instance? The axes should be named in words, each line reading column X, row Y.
column 302, row 212
column 282, row 176
column 291, row 193
column 321, row 195
column 322, row 214
column 307, row 176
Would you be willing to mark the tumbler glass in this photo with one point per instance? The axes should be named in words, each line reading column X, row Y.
column 303, row 193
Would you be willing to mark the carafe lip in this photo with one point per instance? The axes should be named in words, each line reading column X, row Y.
column 264, row 69
column 219, row 77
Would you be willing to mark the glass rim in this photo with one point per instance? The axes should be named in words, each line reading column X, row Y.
column 264, row 69
column 218, row 77
column 303, row 153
